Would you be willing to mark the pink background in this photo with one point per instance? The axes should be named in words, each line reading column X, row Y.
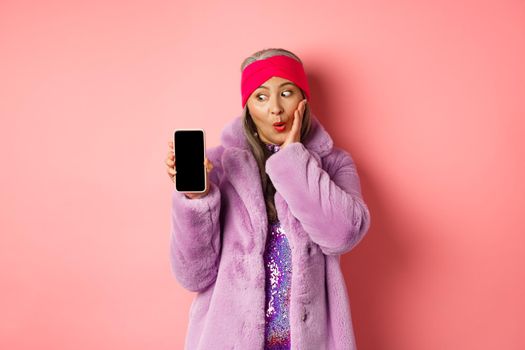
column 428, row 96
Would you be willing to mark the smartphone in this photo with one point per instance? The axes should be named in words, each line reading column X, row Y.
column 189, row 160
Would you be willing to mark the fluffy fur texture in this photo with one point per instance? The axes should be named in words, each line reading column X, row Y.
column 217, row 243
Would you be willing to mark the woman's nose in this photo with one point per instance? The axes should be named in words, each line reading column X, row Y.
column 275, row 107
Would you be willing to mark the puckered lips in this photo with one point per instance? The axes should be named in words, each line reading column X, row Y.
column 279, row 126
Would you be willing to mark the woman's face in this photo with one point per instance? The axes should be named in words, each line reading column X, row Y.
column 274, row 101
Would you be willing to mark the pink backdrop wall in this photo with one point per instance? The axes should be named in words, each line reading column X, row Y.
column 427, row 96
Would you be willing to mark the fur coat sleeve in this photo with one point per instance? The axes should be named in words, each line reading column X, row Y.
column 329, row 206
column 195, row 241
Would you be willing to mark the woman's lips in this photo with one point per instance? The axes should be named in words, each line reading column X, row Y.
column 280, row 127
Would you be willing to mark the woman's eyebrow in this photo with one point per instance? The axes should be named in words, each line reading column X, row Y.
column 283, row 84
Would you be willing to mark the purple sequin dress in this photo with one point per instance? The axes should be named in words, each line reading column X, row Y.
column 278, row 266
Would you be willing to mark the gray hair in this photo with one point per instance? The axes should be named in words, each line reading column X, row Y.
column 258, row 148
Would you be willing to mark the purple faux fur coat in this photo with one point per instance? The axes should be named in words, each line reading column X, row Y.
column 217, row 243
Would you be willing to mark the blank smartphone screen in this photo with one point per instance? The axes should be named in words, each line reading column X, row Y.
column 189, row 161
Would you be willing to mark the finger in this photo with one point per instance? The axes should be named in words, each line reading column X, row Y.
column 170, row 144
column 293, row 132
column 296, row 121
column 208, row 164
column 303, row 106
column 170, row 162
column 300, row 108
column 171, row 171
column 296, row 127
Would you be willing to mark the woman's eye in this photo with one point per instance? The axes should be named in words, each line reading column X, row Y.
column 287, row 91
column 259, row 97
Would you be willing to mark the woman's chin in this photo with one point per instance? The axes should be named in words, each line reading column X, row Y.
column 279, row 140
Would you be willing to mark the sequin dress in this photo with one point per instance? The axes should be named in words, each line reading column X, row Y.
column 278, row 266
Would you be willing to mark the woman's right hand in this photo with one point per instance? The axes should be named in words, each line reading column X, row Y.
column 172, row 173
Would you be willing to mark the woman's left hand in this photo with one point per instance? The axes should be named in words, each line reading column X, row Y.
column 295, row 133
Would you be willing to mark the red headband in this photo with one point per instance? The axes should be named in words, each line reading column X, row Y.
column 259, row 71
